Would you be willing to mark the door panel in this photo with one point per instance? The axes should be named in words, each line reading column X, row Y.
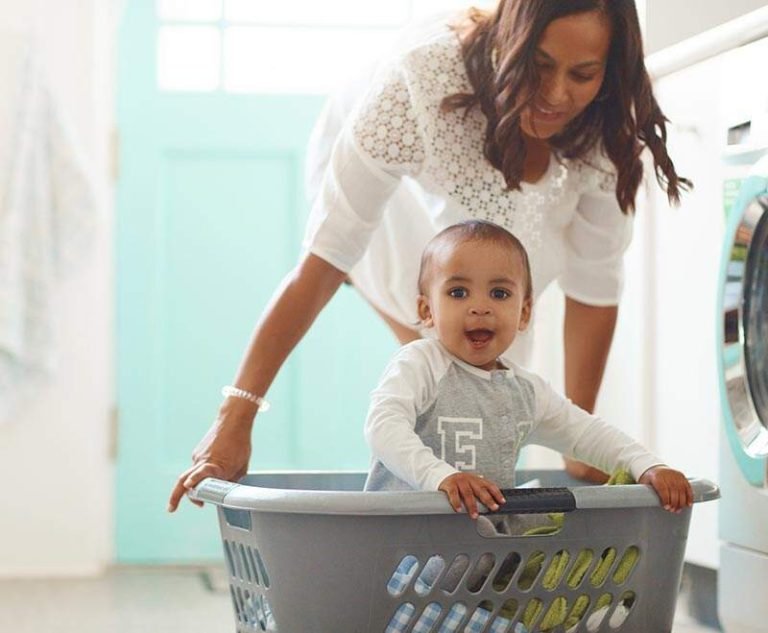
column 210, row 218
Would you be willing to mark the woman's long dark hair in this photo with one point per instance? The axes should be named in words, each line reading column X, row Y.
column 499, row 53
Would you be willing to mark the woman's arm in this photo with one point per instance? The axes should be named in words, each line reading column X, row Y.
column 588, row 333
column 226, row 447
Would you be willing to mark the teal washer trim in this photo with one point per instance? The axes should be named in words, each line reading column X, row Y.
column 752, row 468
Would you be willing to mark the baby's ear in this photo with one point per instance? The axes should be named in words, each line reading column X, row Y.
column 425, row 312
column 525, row 315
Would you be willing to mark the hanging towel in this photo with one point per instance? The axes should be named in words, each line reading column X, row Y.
column 48, row 217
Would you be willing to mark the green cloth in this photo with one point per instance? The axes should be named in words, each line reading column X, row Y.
column 558, row 611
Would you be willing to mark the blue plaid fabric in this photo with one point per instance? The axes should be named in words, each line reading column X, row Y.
column 477, row 622
column 453, row 619
column 402, row 576
column 401, row 619
column 428, row 618
column 400, row 581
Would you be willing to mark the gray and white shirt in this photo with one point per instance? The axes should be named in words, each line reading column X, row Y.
column 433, row 415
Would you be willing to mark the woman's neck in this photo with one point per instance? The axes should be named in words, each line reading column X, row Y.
column 537, row 155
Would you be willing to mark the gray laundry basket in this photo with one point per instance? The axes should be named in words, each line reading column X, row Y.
column 310, row 553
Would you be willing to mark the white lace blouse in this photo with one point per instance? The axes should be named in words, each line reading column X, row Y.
column 400, row 170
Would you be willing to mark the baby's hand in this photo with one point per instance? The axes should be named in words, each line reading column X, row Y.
column 673, row 488
column 468, row 487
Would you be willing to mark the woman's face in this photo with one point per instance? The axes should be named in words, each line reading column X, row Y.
column 570, row 59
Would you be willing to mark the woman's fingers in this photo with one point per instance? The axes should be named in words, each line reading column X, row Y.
column 179, row 490
column 189, row 479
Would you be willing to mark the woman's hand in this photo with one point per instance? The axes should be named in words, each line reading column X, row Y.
column 469, row 488
column 673, row 488
column 223, row 453
column 226, row 447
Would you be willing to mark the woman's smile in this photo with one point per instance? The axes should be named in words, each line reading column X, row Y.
column 548, row 115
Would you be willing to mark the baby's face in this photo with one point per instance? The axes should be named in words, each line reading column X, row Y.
column 475, row 300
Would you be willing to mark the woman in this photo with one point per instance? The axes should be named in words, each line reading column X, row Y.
column 532, row 116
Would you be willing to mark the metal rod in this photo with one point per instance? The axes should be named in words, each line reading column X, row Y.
column 742, row 30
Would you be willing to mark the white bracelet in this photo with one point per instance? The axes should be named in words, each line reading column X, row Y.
column 234, row 392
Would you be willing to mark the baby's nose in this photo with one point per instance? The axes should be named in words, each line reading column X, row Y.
column 479, row 310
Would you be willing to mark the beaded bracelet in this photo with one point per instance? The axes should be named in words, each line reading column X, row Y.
column 234, row 392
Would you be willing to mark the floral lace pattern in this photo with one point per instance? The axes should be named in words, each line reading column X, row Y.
column 387, row 127
column 403, row 128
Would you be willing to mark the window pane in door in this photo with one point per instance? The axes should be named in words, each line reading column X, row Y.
column 320, row 12
column 189, row 58
column 425, row 8
column 189, row 10
column 297, row 60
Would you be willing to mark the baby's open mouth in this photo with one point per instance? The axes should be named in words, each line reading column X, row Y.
column 479, row 338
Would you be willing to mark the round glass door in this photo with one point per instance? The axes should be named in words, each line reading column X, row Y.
column 745, row 314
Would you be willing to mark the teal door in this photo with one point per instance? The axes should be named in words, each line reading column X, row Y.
column 210, row 218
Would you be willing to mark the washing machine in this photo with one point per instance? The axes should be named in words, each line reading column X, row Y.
column 742, row 350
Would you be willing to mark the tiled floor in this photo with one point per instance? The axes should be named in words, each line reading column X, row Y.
column 139, row 600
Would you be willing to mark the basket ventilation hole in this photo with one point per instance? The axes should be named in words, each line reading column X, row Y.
column 626, row 565
column 455, row 573
column 603, row 567
column 506, row 614
column 453, row 619
column 623, row 609
column 556, row 570
column 602, row 606
column 507, row 569
column 402, row 576
column 246, row 565
column 481, row 572
column 531, row 613
column 578, row 610
column 230, row 562
column 480, row 617
column 555, row 615
column 580, row 568
column 258, row 613
column 251, row 560
column 401, row 618
column 429, row 575
column 237, row 605
column 428, row 618
column 531, row 571
column 262, row 568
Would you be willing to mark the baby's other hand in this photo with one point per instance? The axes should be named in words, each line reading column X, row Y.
column 468, row 488
column 673, row 488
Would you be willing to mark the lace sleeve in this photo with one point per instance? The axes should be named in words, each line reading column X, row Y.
column 378, row 145
column 386, row 126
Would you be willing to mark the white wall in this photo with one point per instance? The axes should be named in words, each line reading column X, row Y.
column 56, row 517
column 671, row 21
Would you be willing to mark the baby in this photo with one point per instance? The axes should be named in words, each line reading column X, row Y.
column 450, row 414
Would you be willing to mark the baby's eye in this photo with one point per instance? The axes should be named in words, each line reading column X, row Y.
column 500, row 293
column 458, row 293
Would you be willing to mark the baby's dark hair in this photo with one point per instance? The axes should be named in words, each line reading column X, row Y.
column 473, row 230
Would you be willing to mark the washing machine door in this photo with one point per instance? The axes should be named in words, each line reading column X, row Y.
column 744, row 336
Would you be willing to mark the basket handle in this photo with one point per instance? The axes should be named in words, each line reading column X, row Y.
column 212, row 490
column 537, row 501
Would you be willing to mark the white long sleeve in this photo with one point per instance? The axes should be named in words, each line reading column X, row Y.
column 568, row 429
column 408, row 386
